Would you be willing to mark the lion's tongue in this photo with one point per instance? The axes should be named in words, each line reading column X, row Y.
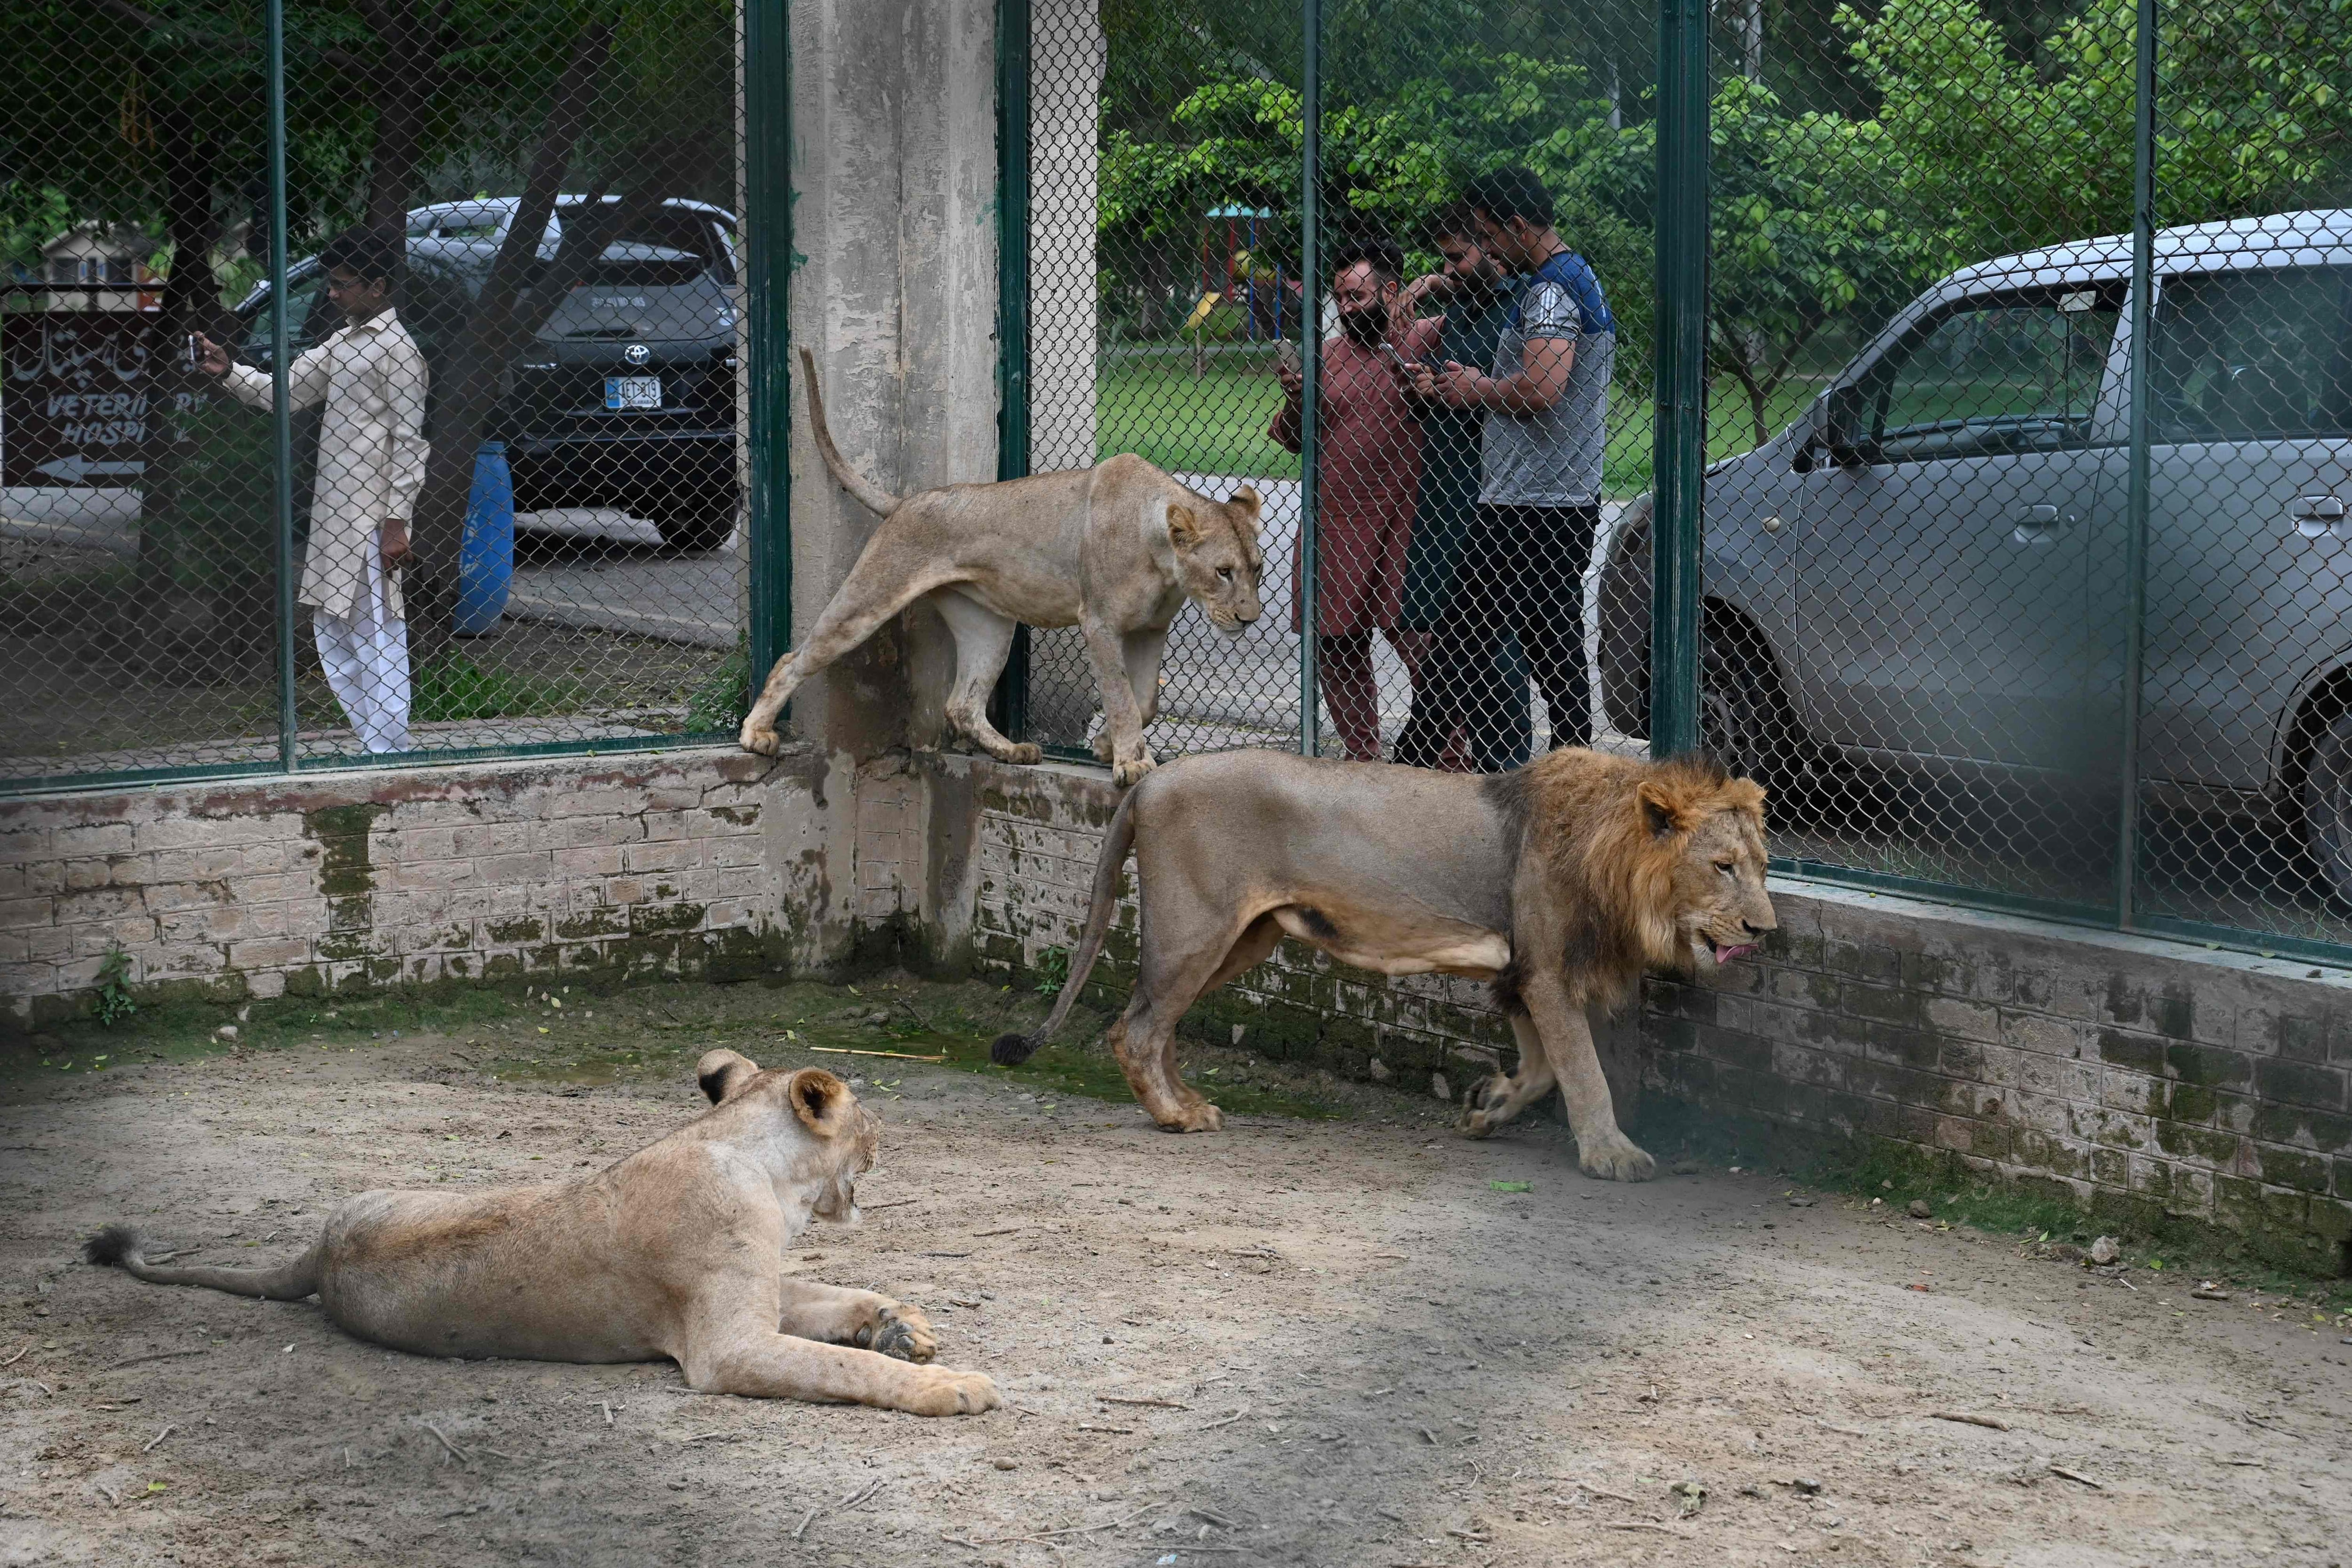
column 1725, row 954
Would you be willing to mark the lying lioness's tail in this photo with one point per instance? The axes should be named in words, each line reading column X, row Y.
column 118, row 1243
column 1010, row 1050
column 873, row 496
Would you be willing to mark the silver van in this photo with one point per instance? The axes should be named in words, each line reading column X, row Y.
column 1929, row 571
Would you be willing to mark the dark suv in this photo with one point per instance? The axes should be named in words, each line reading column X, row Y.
column 625, row 399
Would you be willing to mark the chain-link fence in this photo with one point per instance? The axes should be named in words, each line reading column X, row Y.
column 1996, row 606
column 371, row 382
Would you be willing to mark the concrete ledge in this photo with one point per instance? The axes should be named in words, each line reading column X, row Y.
column 701, row 860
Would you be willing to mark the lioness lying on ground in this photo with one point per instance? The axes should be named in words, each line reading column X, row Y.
column 1561, row 883
column 1114, row 551
column 676, row 1251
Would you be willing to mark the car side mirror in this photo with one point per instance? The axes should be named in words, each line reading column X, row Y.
column 1833, row 430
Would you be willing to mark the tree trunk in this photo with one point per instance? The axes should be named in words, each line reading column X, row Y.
column 410, row 45
column 494, row 333
column 171, row 551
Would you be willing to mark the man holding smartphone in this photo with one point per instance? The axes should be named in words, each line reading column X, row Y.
column 371, row 377
column 1478, row 296
column 1545, row 408
column 1370, row 476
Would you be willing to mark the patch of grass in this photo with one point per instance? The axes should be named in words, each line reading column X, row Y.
column 2194, row 1249
column 1052, row 972
column 454, row 687
column 113, row 1003
column 720, row 699
column 584, row 1031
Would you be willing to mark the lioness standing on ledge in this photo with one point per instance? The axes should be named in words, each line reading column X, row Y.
column 1114, row 551
column 1561, row 883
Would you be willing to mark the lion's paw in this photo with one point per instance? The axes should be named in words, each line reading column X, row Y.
column 1101, row 747
column 1477, row 1124
column 900, row 1332
column 1026, row 753
column 1197, row 1116
column 939, row 1391
column 1618, row 1160
column 1125, row 773
column 760, row 738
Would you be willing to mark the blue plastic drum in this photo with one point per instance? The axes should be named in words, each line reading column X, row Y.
column 486, row 557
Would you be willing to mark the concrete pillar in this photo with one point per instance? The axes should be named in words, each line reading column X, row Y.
column 893, row 181
column 894, row 185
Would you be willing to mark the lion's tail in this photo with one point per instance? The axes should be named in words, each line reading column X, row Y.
column 877, row 499
column 119, row 1245
column 1010, row 1050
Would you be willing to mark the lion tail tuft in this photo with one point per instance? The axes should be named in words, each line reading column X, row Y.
column 1011, row 1049
column 113, row 1245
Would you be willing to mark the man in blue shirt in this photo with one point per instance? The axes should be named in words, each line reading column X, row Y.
column 1546, row 424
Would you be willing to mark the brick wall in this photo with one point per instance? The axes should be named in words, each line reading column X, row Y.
column 2141, row 1077
column 643, row 865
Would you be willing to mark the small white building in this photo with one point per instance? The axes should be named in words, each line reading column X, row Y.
column 92, row 267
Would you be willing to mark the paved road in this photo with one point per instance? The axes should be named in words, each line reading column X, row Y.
column 601, row 568
column 604, row 569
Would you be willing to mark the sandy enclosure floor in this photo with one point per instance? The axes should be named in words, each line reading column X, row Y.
column 1327, row 1342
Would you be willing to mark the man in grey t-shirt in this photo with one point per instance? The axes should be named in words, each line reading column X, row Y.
column 1546, row 407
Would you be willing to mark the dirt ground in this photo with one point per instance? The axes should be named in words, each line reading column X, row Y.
column 1342, row 1340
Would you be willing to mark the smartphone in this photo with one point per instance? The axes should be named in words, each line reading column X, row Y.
column 1286, row 354
column 190, row 365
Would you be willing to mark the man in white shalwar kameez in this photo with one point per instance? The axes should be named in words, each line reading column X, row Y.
column 371, row 378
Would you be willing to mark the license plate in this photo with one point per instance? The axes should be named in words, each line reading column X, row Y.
column 632, row 392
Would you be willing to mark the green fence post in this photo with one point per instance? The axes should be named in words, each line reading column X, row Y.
column 2136, row 503
column 1010, row 702
column 1310, row 363
column 1678, row 459
column 767, row 89
column 281, row 417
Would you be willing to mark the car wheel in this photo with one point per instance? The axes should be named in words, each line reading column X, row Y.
column 1743, row 716
column 2327, row 807
column 697, row 522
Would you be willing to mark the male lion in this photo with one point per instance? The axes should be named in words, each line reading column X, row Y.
column 675, row 1251
column 1113, row 550
column 1561, row 883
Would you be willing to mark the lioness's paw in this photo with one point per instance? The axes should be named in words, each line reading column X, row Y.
column 1617, row 1161
column 1198, row 1116
column 760, row 738
column 1477, row 1124
column 1026, row 753
column 937, row 1391
column 902, row 1332
column 1101, row 747
column 1131, row 773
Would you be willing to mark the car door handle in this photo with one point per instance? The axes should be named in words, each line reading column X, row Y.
column 2037, row 524
column 2316, row 517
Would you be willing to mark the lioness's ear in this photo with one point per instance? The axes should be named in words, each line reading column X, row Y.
column 1247, row 497
column 724, row 1073
column 820, row 1100
column 1663, row 810
column 1183, row 530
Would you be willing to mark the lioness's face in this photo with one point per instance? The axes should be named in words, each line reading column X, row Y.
column 1721, row 907
column 845, row 1156
column 1218, row 560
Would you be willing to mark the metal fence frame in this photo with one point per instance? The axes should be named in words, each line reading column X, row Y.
column 1680, row 414
column 763, row 84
